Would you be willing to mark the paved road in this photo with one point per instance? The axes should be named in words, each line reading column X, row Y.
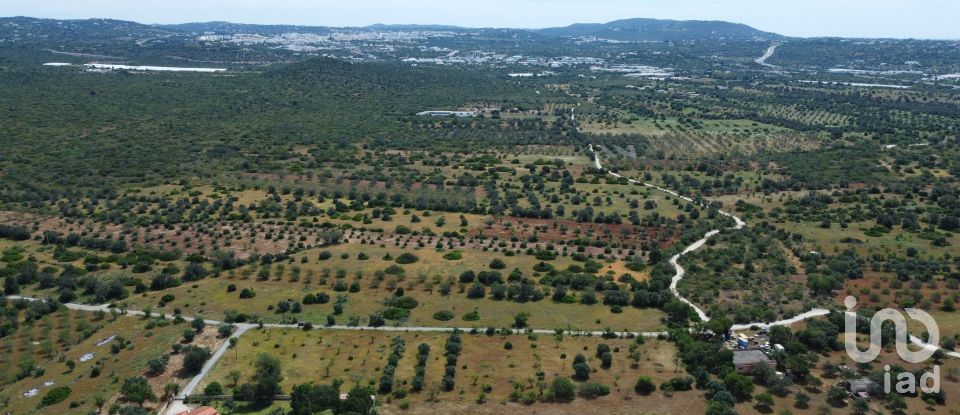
column 767, row 55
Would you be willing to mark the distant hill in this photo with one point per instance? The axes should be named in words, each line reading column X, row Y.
column 624, row 30
column 32, row 28
column 653, row 30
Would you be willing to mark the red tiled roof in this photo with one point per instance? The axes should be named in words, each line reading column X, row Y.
column 203, row 410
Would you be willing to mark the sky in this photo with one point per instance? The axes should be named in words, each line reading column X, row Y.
column 934, row 19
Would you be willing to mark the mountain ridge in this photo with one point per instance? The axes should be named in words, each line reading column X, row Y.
column 643, row 29
column 638, row 29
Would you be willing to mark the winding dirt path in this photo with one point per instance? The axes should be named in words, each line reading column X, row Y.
column 680, row 272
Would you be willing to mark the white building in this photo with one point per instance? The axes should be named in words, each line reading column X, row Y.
column 445, row 114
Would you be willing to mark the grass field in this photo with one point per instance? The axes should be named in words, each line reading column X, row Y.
column 832, row 240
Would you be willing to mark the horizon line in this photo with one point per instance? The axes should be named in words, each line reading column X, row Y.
column 484, row 27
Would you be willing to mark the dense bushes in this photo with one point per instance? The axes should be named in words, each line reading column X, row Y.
column 452, row 348
column 309, row 399
column 644, row 386
column 443, row 315
column 406, row 258
column 397, row 347
column 591, row 390
column 16, row 233
column 581, row 370
column 419, row 371
column 55, row 396
column 318, row 298
column 561, row 390
column 193, row 358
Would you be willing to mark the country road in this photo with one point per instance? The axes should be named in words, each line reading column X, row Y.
column 680, row 272
column 739, row 224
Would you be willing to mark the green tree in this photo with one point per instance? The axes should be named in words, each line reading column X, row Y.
column 581, row 371
column 10, row 285
column 592, row 390
column 193, row 358
column 265, row 383
column 99, row 401
column 763, row 401
column 741, row 387
column 234, row 377
column 561, row 389
column 213, row 389
column 644, row 386
column 170, row 390
column 719, row 325
column 860, row 407
column 836, row 395
column 137, row 390
column 520, row 320
column 198, row 324
column 358, row 401
column 308, row 399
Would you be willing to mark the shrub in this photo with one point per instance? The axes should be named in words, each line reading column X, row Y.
column 453, row 255
column 678, row 384
column 477, row 291
column 193, row 359
column 376, row 320
column 213, row 389
column 443, row 315
column 561, row 390
column 55, row 396
column 408, row 303
column 606, row 359
column 157, row 365
column 225, row 330
column 581, row 371
column 591, row 390
column 394, row 313
column 545, row 255
column 406, row 258
column 497, row 263
column 467, row 277
column 644, row 386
